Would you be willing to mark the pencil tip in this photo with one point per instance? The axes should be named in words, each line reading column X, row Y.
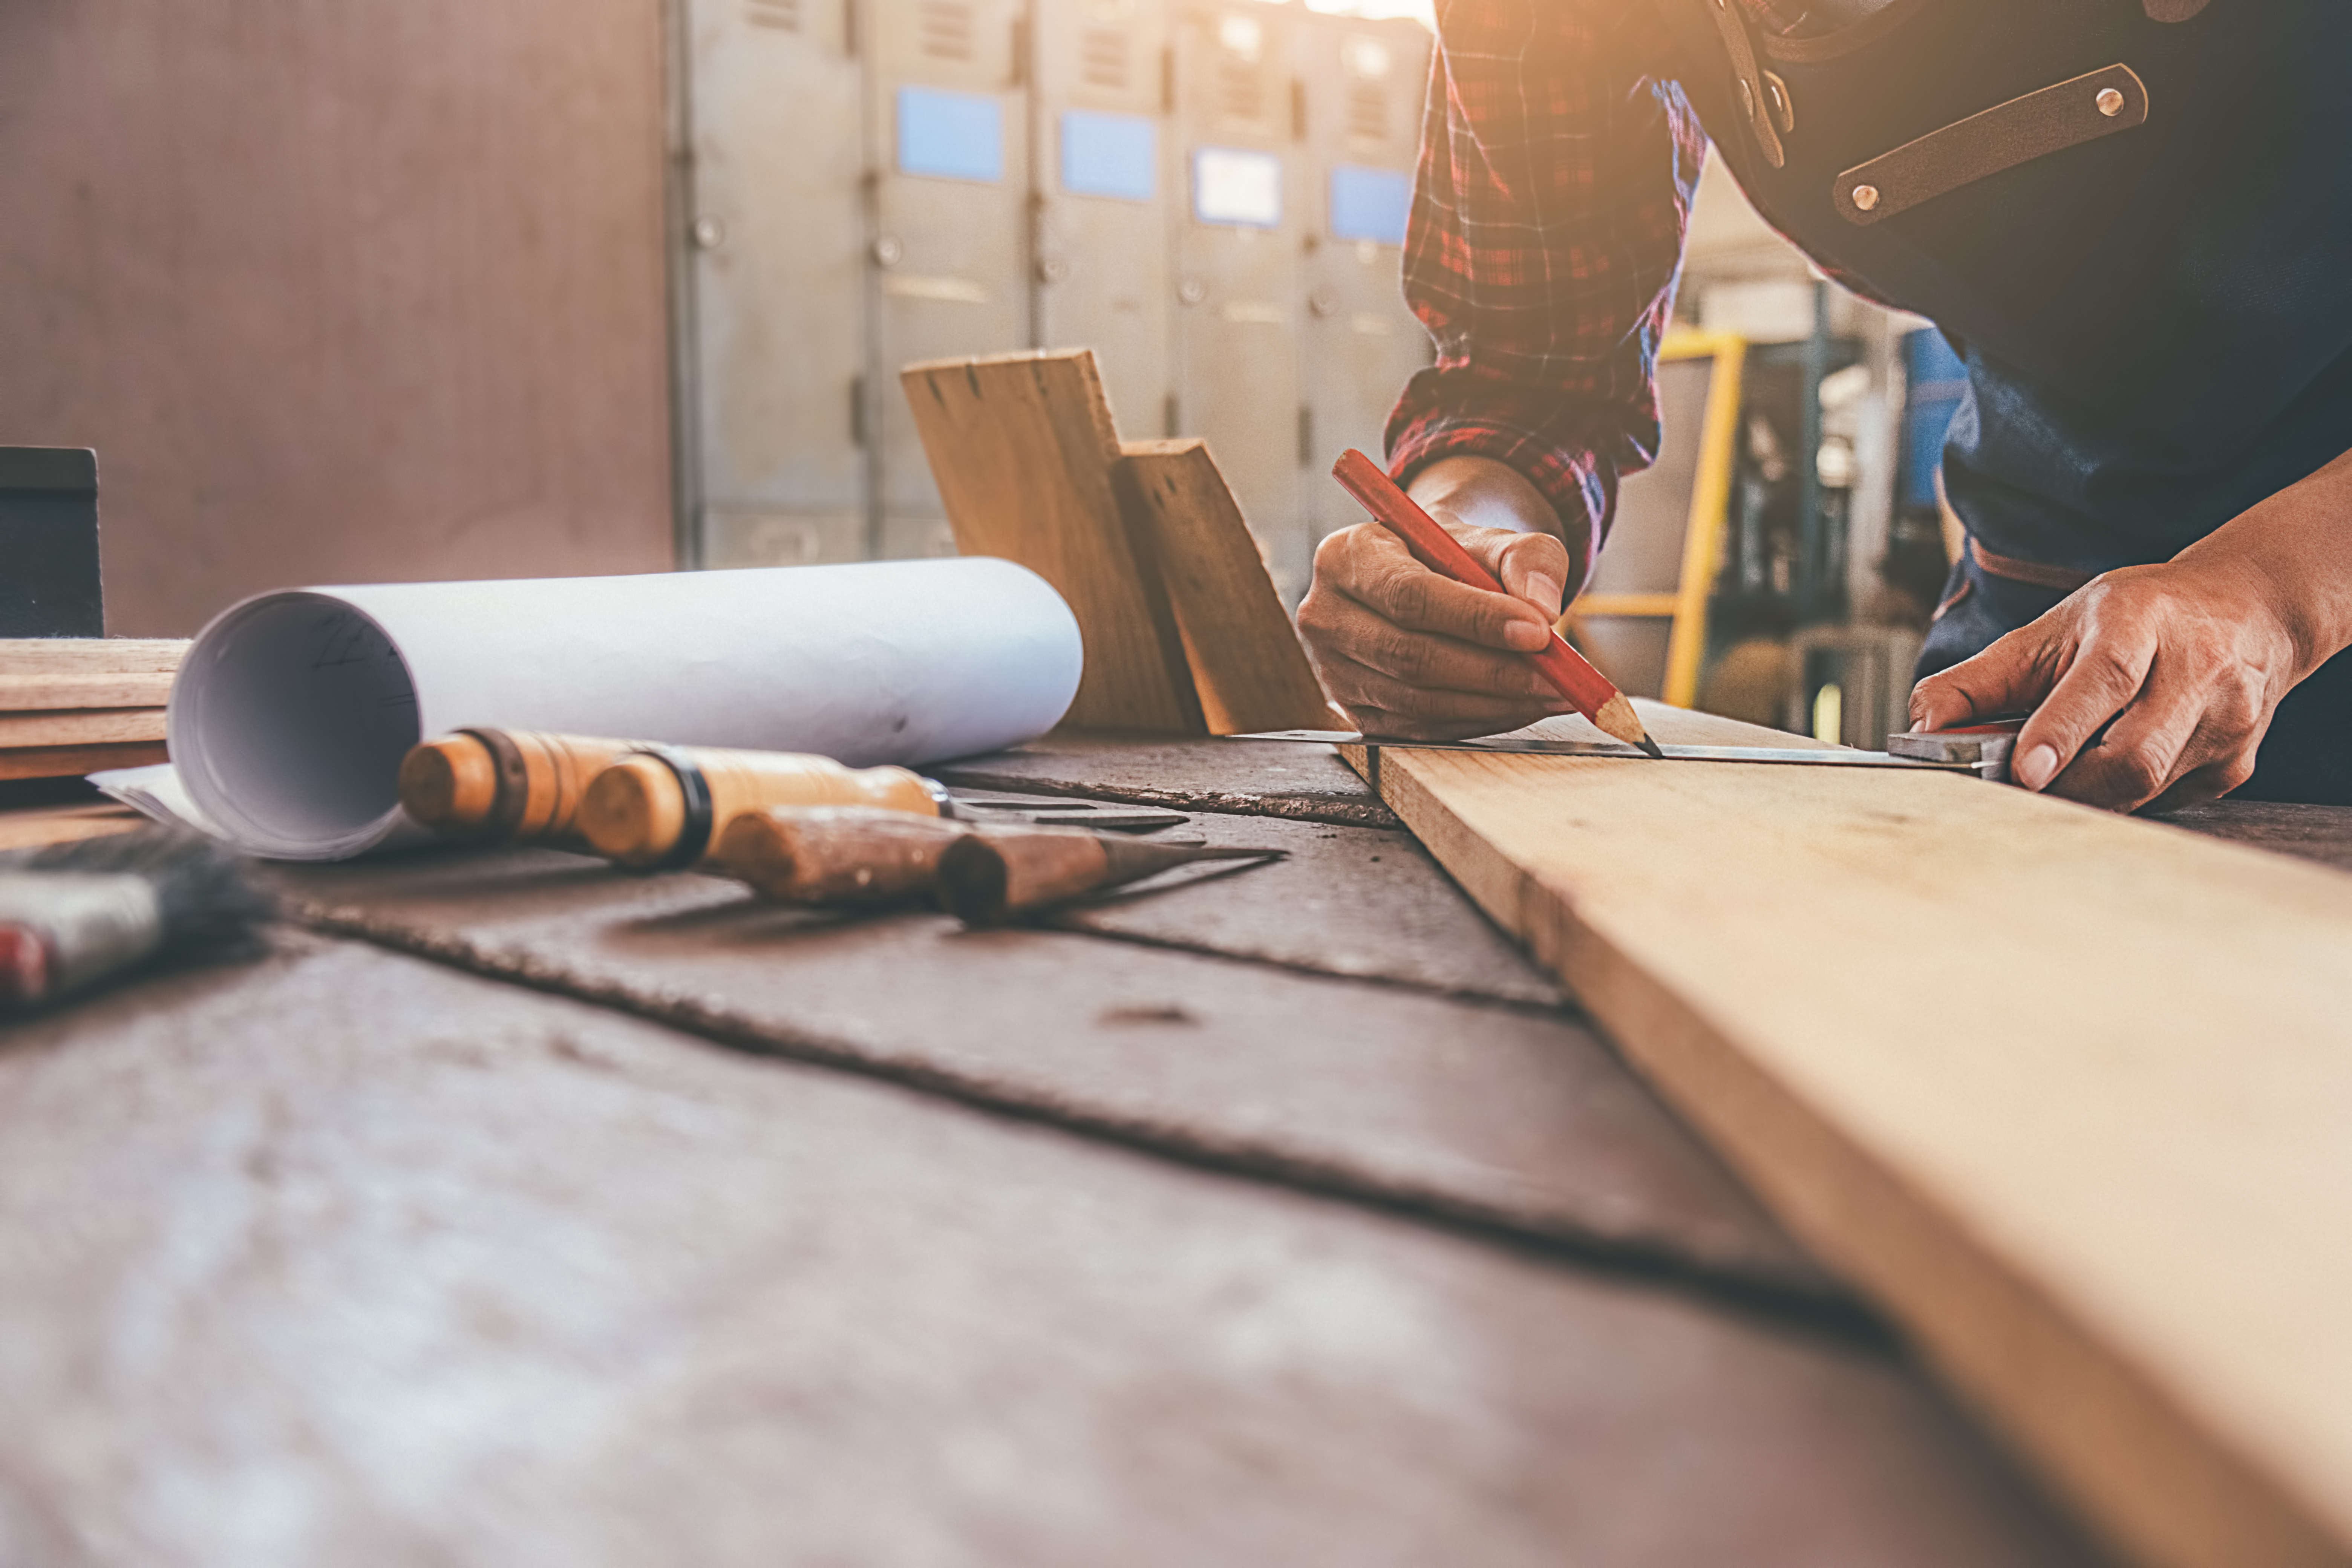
column 1651, row 746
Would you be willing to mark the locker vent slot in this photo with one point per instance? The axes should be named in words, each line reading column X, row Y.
column 946, row 29
column 1367, row 112
column 785, row 15
column 1102, row 58
column 1241, row 90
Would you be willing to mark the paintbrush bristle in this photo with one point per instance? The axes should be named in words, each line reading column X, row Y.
column 205, row 899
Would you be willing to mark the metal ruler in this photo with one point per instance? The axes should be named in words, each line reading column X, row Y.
column 1528, row 745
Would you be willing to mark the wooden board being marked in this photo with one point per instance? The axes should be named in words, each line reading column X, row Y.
column 2069, row 1094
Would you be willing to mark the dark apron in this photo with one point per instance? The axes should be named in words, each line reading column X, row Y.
column 2141, row 232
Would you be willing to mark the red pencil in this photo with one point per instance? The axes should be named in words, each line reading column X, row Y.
column 1439, row 551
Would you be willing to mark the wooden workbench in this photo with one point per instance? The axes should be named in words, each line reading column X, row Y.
column 514, row 1210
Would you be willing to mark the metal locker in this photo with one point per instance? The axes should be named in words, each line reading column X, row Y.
column 1365, row 83
column 1099, row 139
column 1237, row 294
column 768, row 335
column 949, row 116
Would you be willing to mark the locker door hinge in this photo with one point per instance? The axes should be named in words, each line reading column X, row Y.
column 1305, row 435
column 1168, row 426
column 1020, row 51
column 849, row 28
column 857, row 411
column 1297, row 109
column 1168, row 78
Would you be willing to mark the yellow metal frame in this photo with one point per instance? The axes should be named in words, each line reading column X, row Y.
column 1710, row 508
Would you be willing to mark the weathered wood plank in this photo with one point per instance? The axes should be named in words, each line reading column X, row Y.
column 1362, row 902
column 2321, row 832
column 354, row 1259
column 1265, row 778
column 1503, row 1116
column 2066, row 1092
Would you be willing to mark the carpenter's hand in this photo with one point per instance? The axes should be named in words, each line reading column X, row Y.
column 1409, row 653
column 2150, row 685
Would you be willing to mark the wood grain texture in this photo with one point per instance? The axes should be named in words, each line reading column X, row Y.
column 1260, row 778
column 1504, row 1116
column 346, row 1258
column 1022, row 450
column 2065, row 1092
column 339, row 294
column 26, row 658
column 71, row 761
column 2321, row 832
column 26, row 827
column 1363, row 903
column 1245, row 657
column 80, row 727
column 21, row 694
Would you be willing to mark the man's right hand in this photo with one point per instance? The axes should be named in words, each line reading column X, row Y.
column 1412, row 654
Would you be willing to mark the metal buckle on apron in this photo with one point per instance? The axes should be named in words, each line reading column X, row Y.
column 1755, row 96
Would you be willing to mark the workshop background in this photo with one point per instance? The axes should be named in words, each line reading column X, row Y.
column 437, row 291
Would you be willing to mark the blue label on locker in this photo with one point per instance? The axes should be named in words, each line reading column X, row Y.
column 1232, row 186
column 1369, row 203
column 950, row 136
column 1109, row 155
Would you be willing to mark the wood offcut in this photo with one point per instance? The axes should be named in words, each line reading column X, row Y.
column 1184, row 633
column 70, row 705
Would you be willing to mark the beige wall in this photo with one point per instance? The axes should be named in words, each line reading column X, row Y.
column 339, row 290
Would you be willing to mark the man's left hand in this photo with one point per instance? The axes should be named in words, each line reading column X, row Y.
column 2147, row 685
column 2152, row 685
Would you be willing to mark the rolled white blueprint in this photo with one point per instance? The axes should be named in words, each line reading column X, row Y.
column 292, row 711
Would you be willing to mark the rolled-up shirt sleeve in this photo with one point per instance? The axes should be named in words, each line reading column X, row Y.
column 1544, row 242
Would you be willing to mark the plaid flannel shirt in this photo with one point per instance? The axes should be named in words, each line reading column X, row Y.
column 1558, row 160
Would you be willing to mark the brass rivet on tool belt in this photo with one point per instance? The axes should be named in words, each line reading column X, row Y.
column 1865, row 196
column 2110, row 103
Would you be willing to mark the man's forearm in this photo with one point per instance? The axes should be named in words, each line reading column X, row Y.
column 2296, row 551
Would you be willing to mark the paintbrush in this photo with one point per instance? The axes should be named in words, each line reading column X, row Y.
column 1568, row 670
column 73, row 916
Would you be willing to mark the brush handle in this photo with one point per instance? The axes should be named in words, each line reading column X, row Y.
column 835, row 854
column 1567, row 670
column 661, row 807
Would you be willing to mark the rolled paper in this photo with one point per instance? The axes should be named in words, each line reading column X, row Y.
column 836, row 854
column 662, row 808
column 518, row 787
column 293, row 711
